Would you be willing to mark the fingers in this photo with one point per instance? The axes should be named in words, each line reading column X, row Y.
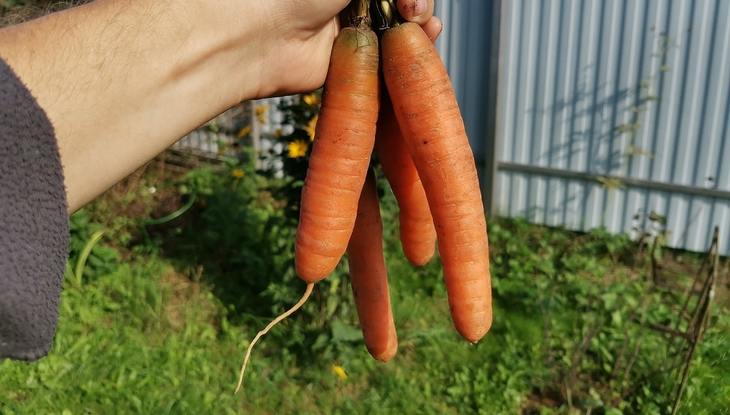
column 416, row 11
column 433, row 28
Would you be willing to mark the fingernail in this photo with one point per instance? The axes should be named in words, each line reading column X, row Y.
column 412, row 8
column 419, row 7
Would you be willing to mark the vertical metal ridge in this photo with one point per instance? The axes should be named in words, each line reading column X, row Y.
column 703, row 152
column 634, row 88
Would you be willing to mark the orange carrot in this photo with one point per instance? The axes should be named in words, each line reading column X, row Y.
column 428, row 114
column 370, row 276
column 343, row 144
column 417, row 233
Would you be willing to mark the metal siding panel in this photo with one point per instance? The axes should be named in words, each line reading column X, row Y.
column 707, row 75
column 696, row 237
column 549, row 85
column 634, row 45
column 676, row 96
column 723, row 168
column 678, row 221
column 535, row 89
column 553, row 204
column 519, row 186
column 552, row 114
column 586, row 159
column 503, row 197
column 636, row 211
column 637, row 64
column 525, row 50
column 561, row 109
column 651, row 81
column 722, row 116
column 628, row 88
column 572, row 216
column 476, row 87
column 537, row 200
column 722, row 219
column 611, row 144
column 441, row 10
column 718, row 83
column 684, row 141
column 567, row 104
column 508, row 82
column 464, row 46
column 614, row 212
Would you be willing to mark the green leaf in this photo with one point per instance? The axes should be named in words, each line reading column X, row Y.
column 342, row 332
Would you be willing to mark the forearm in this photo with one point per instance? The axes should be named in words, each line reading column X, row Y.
column 122, row 80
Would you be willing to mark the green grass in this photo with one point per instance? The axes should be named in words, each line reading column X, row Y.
column 159, row 324
column 146, row 340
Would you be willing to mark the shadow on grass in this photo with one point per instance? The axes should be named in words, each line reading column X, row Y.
column 237, row 245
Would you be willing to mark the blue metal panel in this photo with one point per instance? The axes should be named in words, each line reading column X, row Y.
column 616, row 88
column 465, row 48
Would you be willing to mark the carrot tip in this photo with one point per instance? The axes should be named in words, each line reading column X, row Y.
column 386, row 355
column 474, row 334
column 419, row 261
column 312, row 274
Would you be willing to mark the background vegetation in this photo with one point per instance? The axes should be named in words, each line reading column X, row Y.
column 161, row 315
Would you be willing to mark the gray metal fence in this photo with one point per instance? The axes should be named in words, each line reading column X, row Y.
column 257, row 121
column 615, row 114
column 596, row 113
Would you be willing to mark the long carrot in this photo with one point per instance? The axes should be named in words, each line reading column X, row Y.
column 343, row 145
column 417, row 233
column 370, row 276
column 428, row 114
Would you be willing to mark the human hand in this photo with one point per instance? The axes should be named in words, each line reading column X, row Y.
column 150, row 72
column 300, row 33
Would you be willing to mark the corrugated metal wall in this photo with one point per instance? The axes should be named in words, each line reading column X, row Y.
column 598, row 113
column 466, row 48
column 614, row 112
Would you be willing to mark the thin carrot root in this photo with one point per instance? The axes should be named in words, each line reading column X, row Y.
column 286, row 314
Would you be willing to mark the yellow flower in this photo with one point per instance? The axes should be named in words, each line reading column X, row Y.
column 244, row 132
column 261, row 111
column 339, row 371
column 311, row 99
column 311, row 127
column 238, row 173
column 298, row 149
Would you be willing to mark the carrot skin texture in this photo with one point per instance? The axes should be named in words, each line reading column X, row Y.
column 369, row 277
column 343, row 145
column 428, row 114
column 417, row 233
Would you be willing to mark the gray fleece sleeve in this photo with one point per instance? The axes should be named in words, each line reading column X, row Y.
column 33, row 223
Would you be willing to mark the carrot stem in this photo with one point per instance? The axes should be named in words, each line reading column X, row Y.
column 364, row 9
column 297, row 306
column 357, row 15
column 388, row 16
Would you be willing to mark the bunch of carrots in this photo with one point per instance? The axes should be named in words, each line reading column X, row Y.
column 414, row 127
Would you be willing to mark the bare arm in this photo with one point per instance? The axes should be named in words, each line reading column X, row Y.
column 121, row 80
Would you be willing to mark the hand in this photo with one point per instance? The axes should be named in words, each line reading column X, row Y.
column 301, row 35
column 147, row 72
